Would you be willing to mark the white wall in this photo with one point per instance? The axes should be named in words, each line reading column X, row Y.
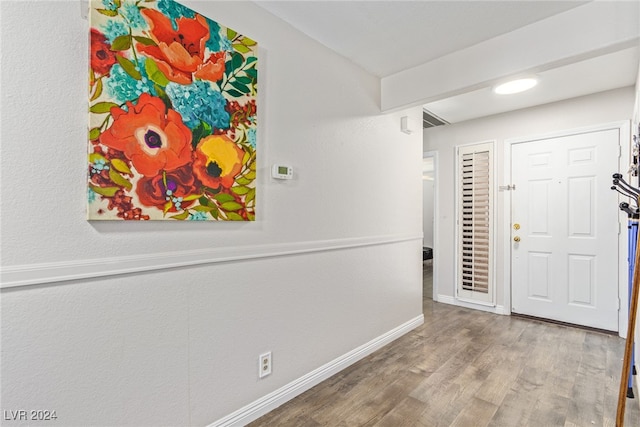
column 427, row 209
column 602, row 108
column 428, row 200
column 159, row 327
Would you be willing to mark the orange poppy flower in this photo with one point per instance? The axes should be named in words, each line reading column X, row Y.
column 213, row 68
column 218, row 160
column 151, row 136
column 181, row 53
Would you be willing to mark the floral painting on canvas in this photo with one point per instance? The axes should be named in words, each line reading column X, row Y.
column 172, row 115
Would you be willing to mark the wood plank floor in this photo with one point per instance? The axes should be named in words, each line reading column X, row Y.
column 469, row 368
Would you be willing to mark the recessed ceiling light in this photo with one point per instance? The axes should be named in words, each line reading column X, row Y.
column 515, row 86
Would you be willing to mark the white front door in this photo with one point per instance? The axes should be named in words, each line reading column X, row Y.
column 565, row 215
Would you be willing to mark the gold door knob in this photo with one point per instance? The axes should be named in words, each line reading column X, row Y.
column 516, row 239
column 516, row 226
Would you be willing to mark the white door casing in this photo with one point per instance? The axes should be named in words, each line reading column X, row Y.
column 565, row 266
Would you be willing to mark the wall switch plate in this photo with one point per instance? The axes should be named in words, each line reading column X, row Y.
column 264, row 367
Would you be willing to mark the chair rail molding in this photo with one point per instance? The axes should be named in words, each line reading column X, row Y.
column 64, row 271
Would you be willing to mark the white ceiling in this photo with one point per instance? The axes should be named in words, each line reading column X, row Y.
column 388, row 37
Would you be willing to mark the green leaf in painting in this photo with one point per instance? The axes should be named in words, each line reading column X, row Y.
column 94, row 157
column 231, row 206
column 211, row 191
column 242, row 142
column 191, row 197
column 118, row 179
column 203, row 208
column 204, row 201
column 251, row 175
column 182, row 216
column 105, row 191
column 94, row 134
column 167, row 206
column 232, row 216
column 128, row 67
column 236, row 60
column 239, row 47
column 252, row 73
column 251, row 59
column 234, row 93
column 224, row 198
column 242, row 88
column 121, row 166
column 163, row 95
column 244, row 80
column 251, row 195
column 228, row 68
column 240, row 190
column 196, row 136
column 98, row 91
column 118, row 3
column 211, row 209
column 154, row 73
column 248, row 42
column 102, row 107
column 202, row 130
column 246, row 157
column 145, row 41
column 231, row 34
column 108, row 12
column 121, row 43
column 243, row 181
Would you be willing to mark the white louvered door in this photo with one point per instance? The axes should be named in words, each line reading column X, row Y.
column 475, row 223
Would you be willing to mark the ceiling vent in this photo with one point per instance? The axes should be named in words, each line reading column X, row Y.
column 430, row 120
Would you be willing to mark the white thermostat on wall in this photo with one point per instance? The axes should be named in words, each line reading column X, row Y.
column 281, row 172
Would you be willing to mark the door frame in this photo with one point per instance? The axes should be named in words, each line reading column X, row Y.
column 436, row 233
column 624, row 132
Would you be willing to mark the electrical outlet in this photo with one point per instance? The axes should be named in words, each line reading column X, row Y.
column 264, row 367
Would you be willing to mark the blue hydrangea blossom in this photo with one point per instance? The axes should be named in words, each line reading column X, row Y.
column 198, row 216
column 251, row 137
column 199, row 102
column 109, row 4
column 123, row 87
column 131, row 13
column 91, row 195
column 114, row 29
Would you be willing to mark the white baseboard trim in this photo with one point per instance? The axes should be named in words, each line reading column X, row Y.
column 498, row 309
column 52, row 273
column 282, row 395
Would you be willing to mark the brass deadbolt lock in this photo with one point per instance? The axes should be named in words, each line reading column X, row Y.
column 516, row 239
column 516, row 226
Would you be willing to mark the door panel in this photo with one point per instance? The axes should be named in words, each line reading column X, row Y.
column 565, row 264
column 539, row 283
